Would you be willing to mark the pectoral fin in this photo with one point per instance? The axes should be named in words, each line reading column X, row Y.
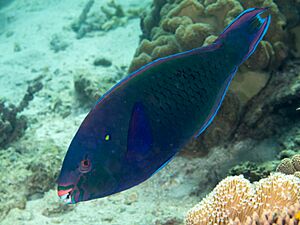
column 139, row 139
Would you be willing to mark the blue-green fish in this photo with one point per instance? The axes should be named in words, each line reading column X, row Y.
column 137, row 127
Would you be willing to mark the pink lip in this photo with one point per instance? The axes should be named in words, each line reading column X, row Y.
column 64, row 192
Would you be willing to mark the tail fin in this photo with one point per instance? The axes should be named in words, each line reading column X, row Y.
column 258, row 27
column 249, row 27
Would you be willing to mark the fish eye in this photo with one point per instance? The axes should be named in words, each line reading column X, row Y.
column 85, row 166
column 85, row 163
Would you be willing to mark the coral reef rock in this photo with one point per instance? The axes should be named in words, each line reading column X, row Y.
column 90, row 86
column 290, row 141
column 110, row 16
column 275, row 111
column 254, row 171
column 101, row 61
column 12, row 124
column 236, row 199
column 58, row 43
column 290, row 165
column 27, row 172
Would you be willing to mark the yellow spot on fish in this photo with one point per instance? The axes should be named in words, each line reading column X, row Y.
column 107, row 137
column 297, row 215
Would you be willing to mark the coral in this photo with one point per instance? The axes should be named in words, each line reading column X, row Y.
column 101, row 61
column 253, row 171
column 290, row 216
column 296, row 162
column 113, row 9
column 290, row 140
column 286, row 166
column 57, row 43
column 286, row 154
column 90, row 86
column 191, row 22
column 12, row 124
column 290, row 165
column 291, row 11
column 110, row 16
column 297, row 174
column 28, row 170
column 79, row 25
column 236, row 198
column 275, row 110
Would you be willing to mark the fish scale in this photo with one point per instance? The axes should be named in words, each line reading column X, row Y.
column 195, row 84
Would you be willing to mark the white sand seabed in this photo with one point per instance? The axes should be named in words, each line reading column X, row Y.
column 32, row 27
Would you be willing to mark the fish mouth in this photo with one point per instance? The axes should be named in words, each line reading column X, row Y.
column 65, row 194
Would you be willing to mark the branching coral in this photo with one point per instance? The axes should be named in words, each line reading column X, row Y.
column 289, row 216
column 111, row 15
column 235, row 198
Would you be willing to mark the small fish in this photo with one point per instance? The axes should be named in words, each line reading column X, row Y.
column 138, row 126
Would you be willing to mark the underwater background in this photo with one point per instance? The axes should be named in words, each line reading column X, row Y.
column 57, row 57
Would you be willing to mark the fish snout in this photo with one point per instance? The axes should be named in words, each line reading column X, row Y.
column 65, row 195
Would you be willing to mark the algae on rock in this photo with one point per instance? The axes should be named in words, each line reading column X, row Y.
column 12, row 124
column 27, row 172
column 90, row 86
column 273, row 112
column 254, row 171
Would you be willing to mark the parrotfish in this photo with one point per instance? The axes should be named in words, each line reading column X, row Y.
column 138, row 126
